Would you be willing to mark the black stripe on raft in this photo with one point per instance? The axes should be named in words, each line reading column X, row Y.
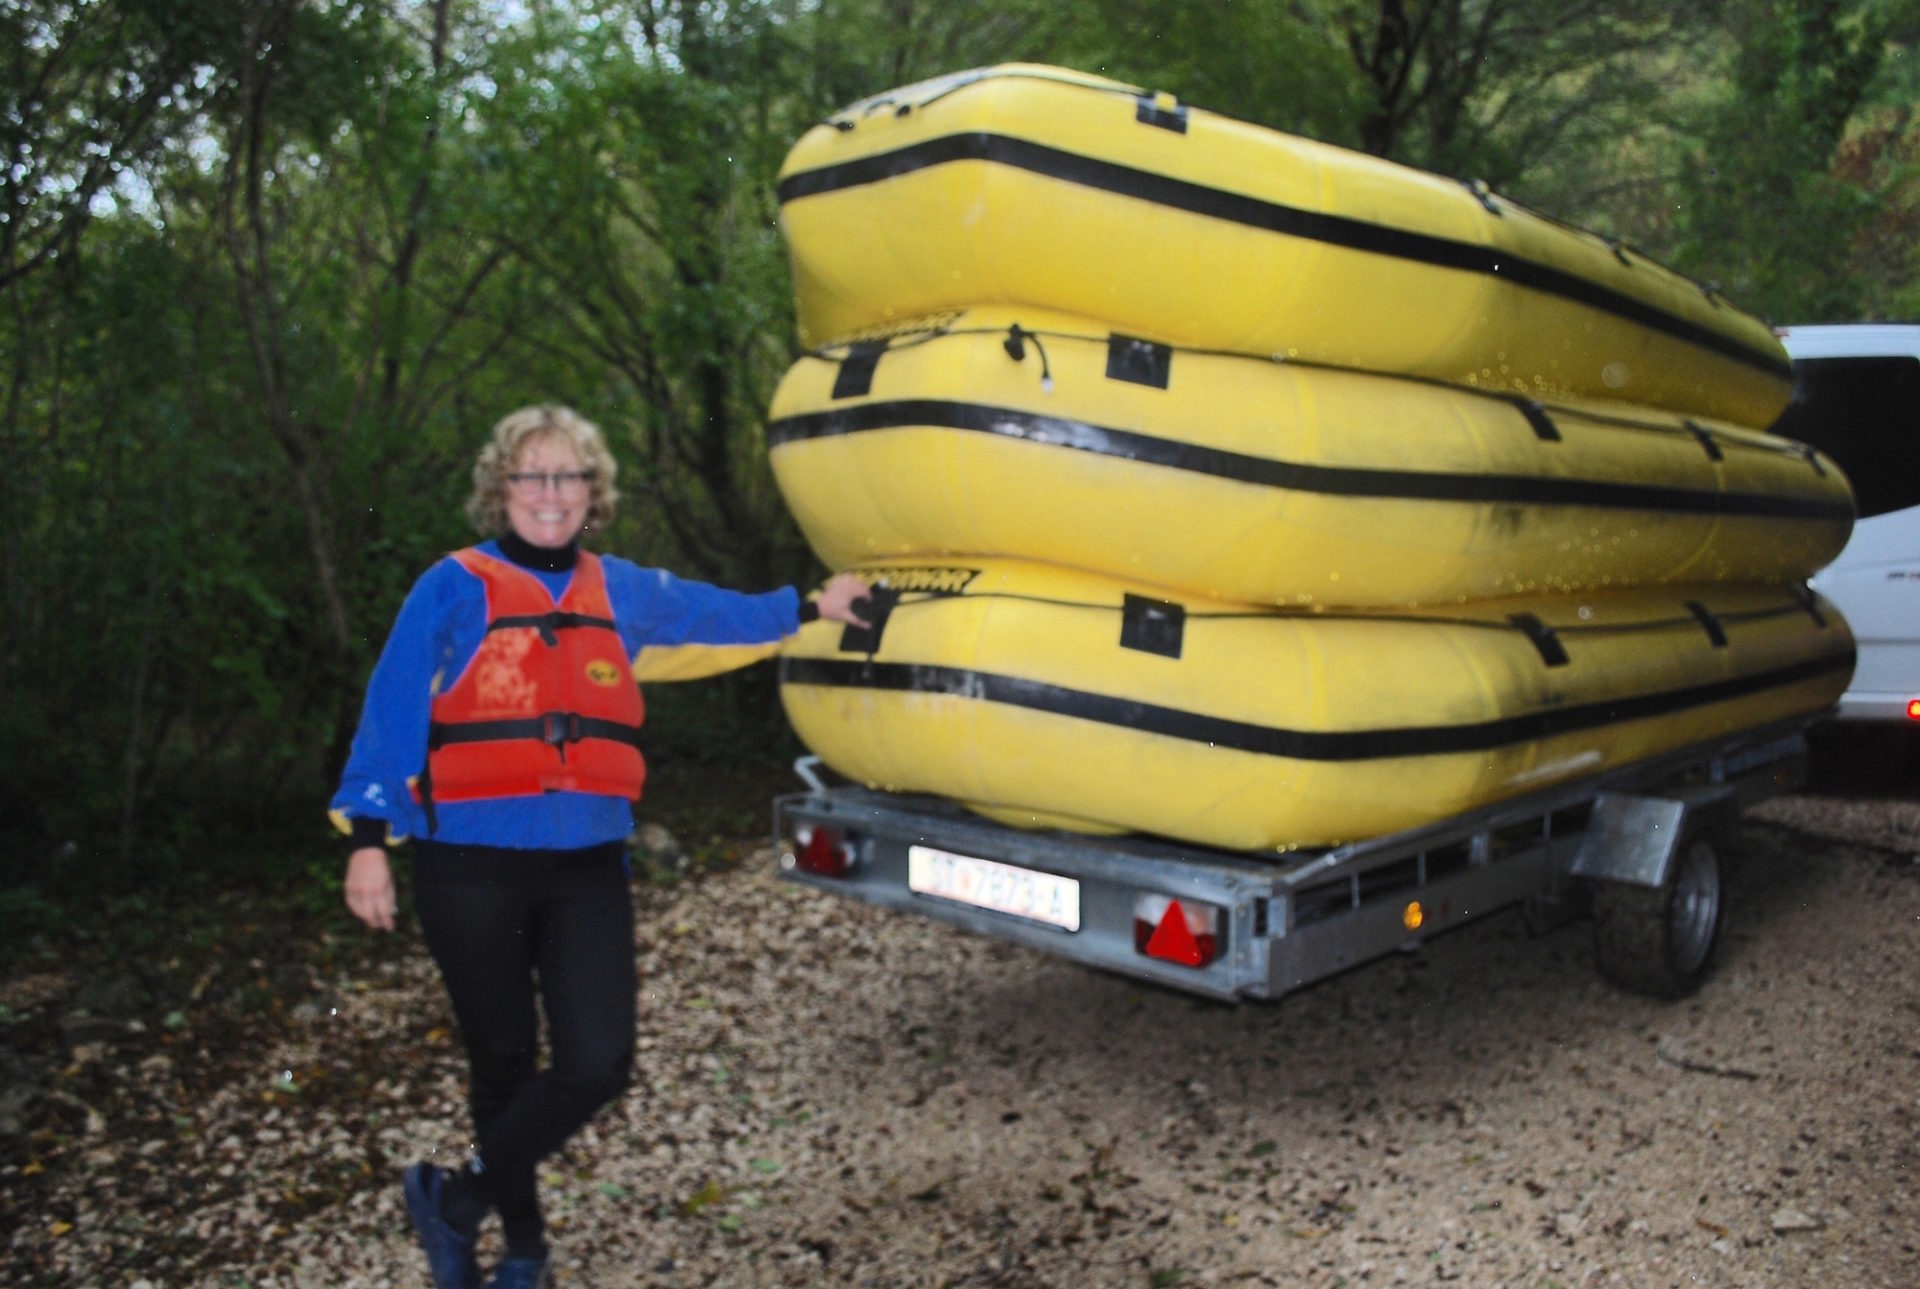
column 1253, row 212
column 1300, row 745
column 1053, row 431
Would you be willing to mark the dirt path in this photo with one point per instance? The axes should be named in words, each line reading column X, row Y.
column 833, row 1096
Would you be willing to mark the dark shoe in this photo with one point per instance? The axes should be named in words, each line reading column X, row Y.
column 449, row 1253
column 521, row 1273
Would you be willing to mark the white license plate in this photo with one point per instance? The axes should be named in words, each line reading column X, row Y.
column 1019, row 892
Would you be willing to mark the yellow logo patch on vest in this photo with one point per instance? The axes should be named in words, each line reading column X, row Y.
column 602, row 672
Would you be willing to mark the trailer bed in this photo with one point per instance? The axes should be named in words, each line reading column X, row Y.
column 1284, row 920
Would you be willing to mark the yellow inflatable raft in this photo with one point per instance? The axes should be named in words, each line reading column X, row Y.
column 1047, row 697
column 1042, row 187
column 1273, row 483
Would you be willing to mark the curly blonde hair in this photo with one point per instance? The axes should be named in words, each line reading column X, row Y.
column 487, row 507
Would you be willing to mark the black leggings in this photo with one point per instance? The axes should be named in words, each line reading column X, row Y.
column 494, row 920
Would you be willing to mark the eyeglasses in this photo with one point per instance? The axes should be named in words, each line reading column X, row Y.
column 531, row 482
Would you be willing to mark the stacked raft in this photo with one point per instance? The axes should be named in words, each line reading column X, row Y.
column 1251, row 492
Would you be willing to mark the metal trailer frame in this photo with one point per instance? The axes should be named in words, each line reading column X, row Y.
column 1292, row 919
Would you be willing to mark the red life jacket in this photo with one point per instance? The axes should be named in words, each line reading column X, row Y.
column 548, row 703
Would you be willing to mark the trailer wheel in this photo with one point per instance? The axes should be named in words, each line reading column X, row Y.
column 1659, row 940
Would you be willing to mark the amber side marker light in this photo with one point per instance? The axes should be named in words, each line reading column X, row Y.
column 1413, row 916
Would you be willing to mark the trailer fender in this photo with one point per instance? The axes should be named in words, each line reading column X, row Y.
column 1633, row 839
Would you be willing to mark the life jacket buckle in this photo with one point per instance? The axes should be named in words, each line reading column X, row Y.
column 559, row 728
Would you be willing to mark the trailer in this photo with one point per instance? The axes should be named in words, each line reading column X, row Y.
column 1642, row 847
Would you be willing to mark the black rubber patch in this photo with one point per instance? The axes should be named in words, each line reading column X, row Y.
column 1152, row 626
column 1141, row 362
column 1543, row 637
column 1704, row 615
column 876, row 609
column 856, row 369
column 1705, row 436
column 1148, row 112
column 1341, row 481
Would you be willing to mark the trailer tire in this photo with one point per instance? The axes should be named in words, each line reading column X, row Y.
column 1659, row 941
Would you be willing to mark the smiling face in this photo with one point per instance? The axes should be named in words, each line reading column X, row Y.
column 546, row 512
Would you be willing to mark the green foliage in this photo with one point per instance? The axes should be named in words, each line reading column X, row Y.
column 89, row 89
column 1768, row 220
column 1496, row 89
column 28, row 921
column 1276, row 62
column 269, row 271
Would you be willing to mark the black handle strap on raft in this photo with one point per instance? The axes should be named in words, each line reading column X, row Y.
column 876, row 608
column 1707, row 444
column 855, row 377
column 1152, row 626
column 1156, row 110
column 1805, row 598
column 549, row 625
column 1543, row 637
column 1711, row 624
column 1139, row 362
column 1543, row 427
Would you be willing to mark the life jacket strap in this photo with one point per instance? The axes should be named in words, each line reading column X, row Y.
column 555, row 729
column 549, row 625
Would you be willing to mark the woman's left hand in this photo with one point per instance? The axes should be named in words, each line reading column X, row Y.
column 837, row 599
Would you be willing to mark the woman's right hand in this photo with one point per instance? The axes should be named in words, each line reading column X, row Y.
column 370, row 887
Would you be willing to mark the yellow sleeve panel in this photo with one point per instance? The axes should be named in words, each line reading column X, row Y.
column 695, row 661
column 344, row 822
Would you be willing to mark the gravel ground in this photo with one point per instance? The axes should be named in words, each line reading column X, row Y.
column 829, row 1095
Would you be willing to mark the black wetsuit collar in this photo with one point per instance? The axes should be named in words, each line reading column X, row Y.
column 548, row 559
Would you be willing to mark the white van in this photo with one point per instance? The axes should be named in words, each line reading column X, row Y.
column 1856, row 397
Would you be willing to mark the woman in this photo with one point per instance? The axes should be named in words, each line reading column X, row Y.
column 501, row 732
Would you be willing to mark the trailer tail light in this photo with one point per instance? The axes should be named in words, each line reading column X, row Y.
column 1913, row 709
column 824, row 852
column 1183, row 931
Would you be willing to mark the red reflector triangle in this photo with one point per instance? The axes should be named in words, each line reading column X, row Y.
column 1172, row 940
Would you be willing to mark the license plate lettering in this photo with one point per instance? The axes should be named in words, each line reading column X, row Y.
column 1001, row 888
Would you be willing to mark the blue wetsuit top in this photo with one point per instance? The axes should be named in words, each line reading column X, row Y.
column 673, row 630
